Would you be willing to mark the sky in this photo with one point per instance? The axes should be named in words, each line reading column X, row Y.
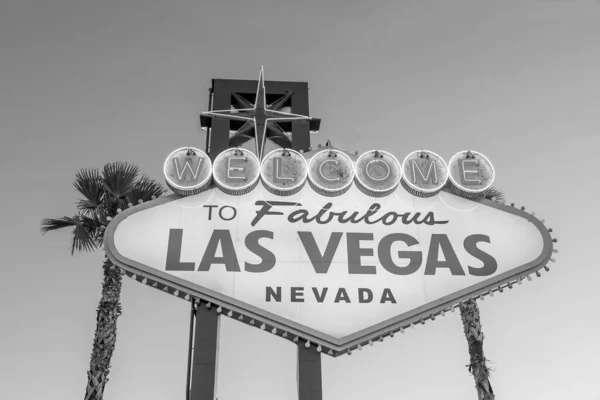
column 83, row 83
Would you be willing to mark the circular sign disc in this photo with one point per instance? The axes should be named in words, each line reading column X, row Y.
column 330, row 172
column 377, row 173
column 187, row 171
column 425, row 173
column 284, row 171
column 236, row 171
column 470, row 173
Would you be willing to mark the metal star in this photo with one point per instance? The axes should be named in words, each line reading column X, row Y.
column 261, row 116
column 274, row 132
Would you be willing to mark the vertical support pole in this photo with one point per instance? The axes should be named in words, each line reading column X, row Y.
column 189, row 366
column 310, row 386
column 300, row 130
column 219, row 131
column 204, row 372
column 209, row 130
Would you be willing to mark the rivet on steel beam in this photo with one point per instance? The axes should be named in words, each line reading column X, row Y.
column 307, row 345
column 176, row 293
column 263, row 326
column 319, row 348
column 208, row 305
column 230, row 314
column 295, row 339
column 252, row 322
column 186, row 297
column 219, row 309
column 284, row 335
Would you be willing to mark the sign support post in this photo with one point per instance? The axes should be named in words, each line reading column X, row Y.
column 204, row 371
column 310, row 386
column 190, row 349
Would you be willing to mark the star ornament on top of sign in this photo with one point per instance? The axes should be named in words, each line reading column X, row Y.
column 261, row 116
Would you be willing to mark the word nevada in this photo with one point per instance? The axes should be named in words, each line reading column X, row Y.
column 329, row 172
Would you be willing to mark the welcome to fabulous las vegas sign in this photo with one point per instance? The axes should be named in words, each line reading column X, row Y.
column 326, row 247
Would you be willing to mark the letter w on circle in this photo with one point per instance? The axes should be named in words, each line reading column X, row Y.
column 188, row 166
column 320, row 262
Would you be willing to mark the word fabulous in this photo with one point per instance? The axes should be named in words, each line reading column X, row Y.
column 330, row 172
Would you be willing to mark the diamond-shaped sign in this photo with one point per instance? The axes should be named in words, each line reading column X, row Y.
column 337, row 273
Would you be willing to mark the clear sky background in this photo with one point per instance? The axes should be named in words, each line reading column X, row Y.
column 83, row 83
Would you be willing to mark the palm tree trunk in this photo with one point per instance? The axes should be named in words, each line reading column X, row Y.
column 469, row 313
column 105, row 337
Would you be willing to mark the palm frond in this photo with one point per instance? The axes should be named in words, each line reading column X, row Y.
column 52, row 224
column 144, row 189
column 119, row 178
column 84, row 233
column 493, row 192
column 111, row 204
column 89, row 183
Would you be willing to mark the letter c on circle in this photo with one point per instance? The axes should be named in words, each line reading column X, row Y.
column 323, row 175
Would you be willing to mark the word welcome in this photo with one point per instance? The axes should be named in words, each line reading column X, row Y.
column 284, row 172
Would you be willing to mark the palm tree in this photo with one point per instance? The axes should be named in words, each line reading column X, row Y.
column 469, row 313
column 105, row 193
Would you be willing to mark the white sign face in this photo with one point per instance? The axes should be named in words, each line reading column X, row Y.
column 335, row 270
